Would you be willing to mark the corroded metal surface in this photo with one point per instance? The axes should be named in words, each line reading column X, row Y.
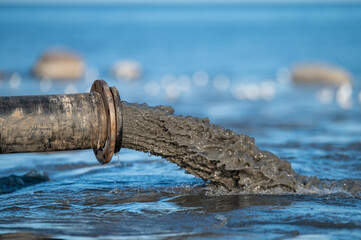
column 63, row 122
column 119, row 116
column 52, row 123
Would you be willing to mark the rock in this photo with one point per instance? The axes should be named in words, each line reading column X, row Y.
column 127, row 70
column 59, row 65
column 12, row 183
column 323, row 74
column 25, row 235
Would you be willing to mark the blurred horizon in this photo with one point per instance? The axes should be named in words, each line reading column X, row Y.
column 175, row 2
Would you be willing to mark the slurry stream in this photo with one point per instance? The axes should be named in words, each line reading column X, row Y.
column 216, row 154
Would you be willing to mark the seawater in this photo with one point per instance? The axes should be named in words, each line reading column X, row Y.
column 190, row 46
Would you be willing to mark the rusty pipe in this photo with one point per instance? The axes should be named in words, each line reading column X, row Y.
column 47, row 123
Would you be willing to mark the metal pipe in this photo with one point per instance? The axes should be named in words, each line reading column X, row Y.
column 63, row 122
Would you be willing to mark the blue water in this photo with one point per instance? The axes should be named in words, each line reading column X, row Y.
column 140, row 196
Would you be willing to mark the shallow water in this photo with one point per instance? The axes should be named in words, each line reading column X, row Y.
column 141, row 196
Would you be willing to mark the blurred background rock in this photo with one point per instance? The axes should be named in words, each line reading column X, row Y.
column 59, row 65
column 320, row 74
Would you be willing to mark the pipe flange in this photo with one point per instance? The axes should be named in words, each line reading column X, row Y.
column 105, row 154
column 119, row 119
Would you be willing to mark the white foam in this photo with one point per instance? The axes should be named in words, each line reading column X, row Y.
column 343, row 96
column 221, row 82
column 15, row 80
column 70, row 89
column 200, row 78
column 184, row 83
column 268, row 90
column 45, row 84
column 325, row 95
